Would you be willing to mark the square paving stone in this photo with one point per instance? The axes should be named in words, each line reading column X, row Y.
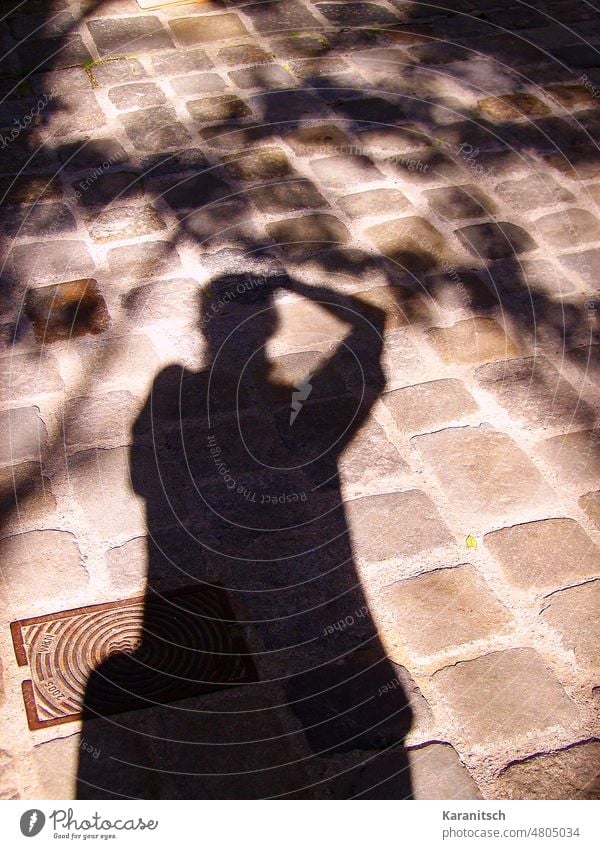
column 411, row 242
column 244, row 54
column 165, row 301
column 28, row 375
column 572, row 773
column 115, row 36
column 429, row 405
column 222, row 108
column 203, row 30
column 113, row 71
column 432, row 771
column 136, row 95
column 439, row 53
column 297, row 236
column 25, row 435
column 575, row 456
column 443, row 609
column 266, row 163
column 532, row 192
column 369, row 110
column 397, row 524
column 53, row 554
column 371, row 458
column 342, row 171
column 233, row 135
column 306, row 324
column 221, row 223
column 100, row 478
column 591, row 504
column 344, row 707
column 316, row 139
column 110, row 187
column 569, row 228
column 38, row 54
column 457, row 202
column 287, row 107
column 356, row 14
column 382, row 202
column 189, row 159
column 39, row 262
column 144, row 641
column 155, row 129
column 331, row 68
column 181, row 62
column 578, row 55
column 288, row 196
column 25, row 496
column 198, row 84
column 437, row 773
column 574, row 614
column 576, row 163
column 572, row 97
column 511, row 107
column 393, row 139
column 192, row 191
column 67, row 310
column 585, row 263
column 474, row 340
column 402, row 306
column 504, row 695
column 17, row 189
column 100, row 420
column 497, row 240
column 426, row 165
column 47, row 219
column 587, row 360
column 150, row 259
column 483, row 472
column 281, row 17
column 89, row 154
column 264, row 77
column 544, row 555
column 465, row 290
column 533, row 392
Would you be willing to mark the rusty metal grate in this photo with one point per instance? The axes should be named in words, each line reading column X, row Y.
column 125, row 655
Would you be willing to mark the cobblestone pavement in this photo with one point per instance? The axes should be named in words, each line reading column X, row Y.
column 301, row 299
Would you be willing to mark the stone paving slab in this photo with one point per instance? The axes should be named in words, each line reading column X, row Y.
column 379, row 216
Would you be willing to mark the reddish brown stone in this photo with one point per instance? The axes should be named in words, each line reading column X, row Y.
column 67, row 310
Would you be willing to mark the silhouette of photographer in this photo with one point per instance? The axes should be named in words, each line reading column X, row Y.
column 287, row 692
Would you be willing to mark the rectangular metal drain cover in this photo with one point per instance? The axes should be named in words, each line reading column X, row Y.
column 124, row 655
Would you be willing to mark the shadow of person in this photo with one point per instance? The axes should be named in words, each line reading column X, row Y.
column 258, row 666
